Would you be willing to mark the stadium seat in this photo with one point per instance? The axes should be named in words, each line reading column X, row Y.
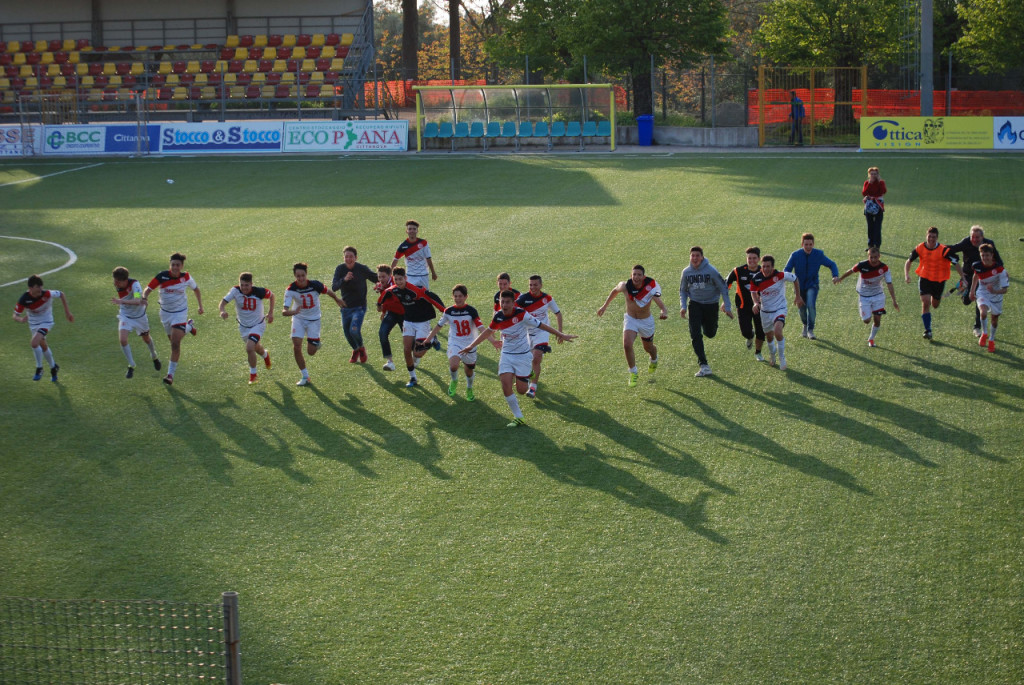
column 274, row 40
column 461, row 131
column 192, row 67
column 241, row 54
column 288, row 40
column 82, row 44
column 236, row 93
column 317, row 77
column 430, row 130
column 328, row 52
column 332, row 39
column 231, row 42
column 304, row 76
column 199, row 79
column 46, row 58
column 157, row 80
column 312, row 90
column 114, row 81
column 270, row 54
column 250, row 66
column 32, row 58
column 59, row 82
column 284, row 52
column 254, row 53
column 308, row 65
column 266, row 92
column 180, row 93
column 11, row 71
column 215, row 79
column 40, row 46
column 208, row 93
column 282, row 92
column 165, row 93
column 303, row 39
column 259, row 41
column 243, row 79
column 67, row 69
column 273, row 78
column 164, row 68
column 227, row 53
column 299, row 52
column 525, row 129
column 292, row 65
column 327, row 91
column 61, row 57
column 258, row 79
column 266, row 65
column 574, row 131
column 207, row 66
column 318, row 39
column 508, row 129
column 604, row 129
column 331, row 77
column 109, row 68
column 234, row 66
column 53, row 70
column 179, row 67
column 337, row 64
column 252, row 93
column 476, row 130
column 245, row 41
column 287, row 76
column 12, row 46
column 26, row 70
column 171, row 80
column 122, row 68
column 313, row 52
column 6, row 59
column 129, row 81
column 186, row 79
column 323, row 64
column 347, row 39
column 31, row 83
column 18, row 58
column 55, row 45
column 101, row 81
column 540, row 130
column 557, row 131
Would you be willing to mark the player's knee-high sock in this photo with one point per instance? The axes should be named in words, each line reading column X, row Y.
column 984, row 325
column 513, row 404
column 771, row 346
column 782, row 346
column 38, row 353
column 927, row 319
column 412, row 371
column 634, row 369
column 992, row 335
column 469, row 380
column 127, row 349
column 874, row 332
column 152, row 348
column 49, row 357
column 171, row 368
column 455, row 375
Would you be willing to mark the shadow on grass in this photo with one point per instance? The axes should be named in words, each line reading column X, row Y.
column 585, row 466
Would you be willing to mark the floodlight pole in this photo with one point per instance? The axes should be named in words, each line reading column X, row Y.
column 927, row 86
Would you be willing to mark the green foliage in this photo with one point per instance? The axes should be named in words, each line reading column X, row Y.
column 993, row 36
column 830, row 32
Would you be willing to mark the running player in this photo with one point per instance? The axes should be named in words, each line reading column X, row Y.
column 416, row 253
column 302, row 302
column 392, row 314
column 933, row 271
column 419, row 305
column 465, row 322
column 132, row 317
column 870, row 274
column 768, row 289
column 538, row 303
column 173, row 285
column 504, row 283
column 640, row 291
column 750, row 325
column 37, row 305
column 514, row 363
column 703, row 286
column 989, row 284
column 251, row 321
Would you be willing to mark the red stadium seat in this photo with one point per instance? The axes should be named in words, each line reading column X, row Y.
column 313, row 90
column 332, row 39
column 293, row 65
column 6, row 59
column 33, row 58
column 165, row 93
column 227, row 53
column 282, row 92
column 323, row 64
column 252, row 92
column 313, row 51
column 67, row 69
column 330, row 77
column 129, row 81
column 10, row 71
column 55, row 45
column 235, row 66
column 123, row 68
column 157, row 80
column 179, row 67
column 274, row 40
column 245, row 41
column 284, row 52
column 273, row 78
column 256, row 53
column 266, row 65
column 82, row 44
column 101, row 81
column 304, row 39
column 187, row 79
column 343, row 51
column 208, row 66
column 95, row 68
column 213, row 78
column 244, row 79
column 60, row 57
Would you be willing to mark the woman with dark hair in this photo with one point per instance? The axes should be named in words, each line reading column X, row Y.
column 874, row 206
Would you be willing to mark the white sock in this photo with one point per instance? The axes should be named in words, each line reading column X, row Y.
column 513, row 404
column 49, row 357
column 264, row 355
column 412, row 374
column 654, row 360
column 984, row 326
column 469, row 380
column 305, row 373
column 633, row 369
column 782, row 347
column 38, row 353
column 455, row 375
column 771, row 346
column 127, row 349
column 171, row 368
column 416, row 361
column 152, row 348
column 252, row 370
column 533, row 386
column 992, row 335
column 874, row 331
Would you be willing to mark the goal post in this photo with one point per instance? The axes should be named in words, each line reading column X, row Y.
column 581, row 103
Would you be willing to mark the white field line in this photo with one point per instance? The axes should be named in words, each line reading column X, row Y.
column 72, row 257
column 39, row 178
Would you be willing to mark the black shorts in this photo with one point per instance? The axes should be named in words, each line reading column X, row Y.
column 932, row 288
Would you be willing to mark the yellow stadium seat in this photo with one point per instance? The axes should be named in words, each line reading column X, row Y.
column 308, row 65
column 86, row 81
column 31, row 83
column 230, row 79
column 241, row 53
column 288, row 77
column 165, row 68
column 13, row 46
column 316, row 76
column 299, row 52
column 69, row 45
column 81, row 68
column 180, row 93
column 251, row 66
column 94, row 95
column 109, row 69
column 41, row 45
column 231, row 42
column 259, row 40
column 114, row 48
column 328, row 52
column 192, row 67
column 53, row 70
column 269, row 53
column 200, row 79
column 59, row 82
column 208, row 93
column 259, row 78
column 346, row 39
column 115, row 81
column 8, row 96
column 237, row 93
column 46, row 58
column 326, row 91
column 288, row 40
column 74, row 57
column 267, row 92
column 337, row 64
column 26, row 70
column 172, row 80
column 221, row 66
column 19, row 58
column 5, row 83
column 319, row 39
column 197, row 46
column 280, row 66
column 138, row 69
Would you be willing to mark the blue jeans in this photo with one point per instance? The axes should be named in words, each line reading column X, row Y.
column 389, row 321
column 352, row 325
column 810, row 309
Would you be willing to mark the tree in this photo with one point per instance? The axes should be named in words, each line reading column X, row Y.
column 993, row 35
column 832, row 33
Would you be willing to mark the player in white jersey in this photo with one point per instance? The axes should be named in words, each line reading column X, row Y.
column 539, row 303
column 514, row 365
column 302, row 302
column 640, row 292
column 174, row 285
column 132, row 317
column 768, row 290
column 251, row 321
column 417, row 257
column 37, row 305
column 465, row 324
column 871, row 273
column 988, row 286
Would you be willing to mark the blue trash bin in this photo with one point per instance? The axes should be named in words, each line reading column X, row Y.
column 645, row 129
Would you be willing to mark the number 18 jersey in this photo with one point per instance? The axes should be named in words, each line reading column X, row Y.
column 464, row 322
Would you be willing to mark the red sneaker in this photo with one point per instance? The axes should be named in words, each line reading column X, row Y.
column 983, row 340
column 266, row 360
column 354, row 358
column 991, row 345
column 362, row 355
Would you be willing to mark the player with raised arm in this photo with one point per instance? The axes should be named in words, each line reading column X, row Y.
column 132, row 317
column 302, row 303
column 252, row 322
column 514, row 363
column 640, row 291
column 933, row 271
column 173, row 286
column 419, row 305
column 988, row 285
column 871, row 273
column 750, row 324
column 465, row 324
column 35, row 307
column 538, row 303
column 768, row 289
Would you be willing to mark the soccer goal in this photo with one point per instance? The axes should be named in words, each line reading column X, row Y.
column 544, row 114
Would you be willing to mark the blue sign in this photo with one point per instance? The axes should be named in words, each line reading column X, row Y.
column 220, row 138
column 133, row 139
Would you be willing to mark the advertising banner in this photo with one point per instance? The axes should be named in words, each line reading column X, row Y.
column 346, row 136
column 1008, row 133
column 16, row 141
column 74, row 140
column 926, row 133
column 129, row 139
column 220, row 138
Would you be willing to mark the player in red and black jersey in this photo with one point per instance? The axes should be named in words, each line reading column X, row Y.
column 750, row 325
column 392, row 314
column 416, row 253
column 419, row 305
column 504, row 283
column 539, row 303
column 132, row 317
column 37, row 305
column 173, row 286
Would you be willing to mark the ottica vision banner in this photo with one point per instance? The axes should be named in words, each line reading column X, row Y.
column 926, row 133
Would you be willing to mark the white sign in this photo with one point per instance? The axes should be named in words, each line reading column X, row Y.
column 74, row 140
column 16, row 141
column 346, row 136
column 215, row 138
column 1008, row 133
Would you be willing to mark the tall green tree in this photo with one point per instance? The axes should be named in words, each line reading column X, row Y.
column 993, row 35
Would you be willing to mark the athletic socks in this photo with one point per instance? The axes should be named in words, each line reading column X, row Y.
column 771, row 346
column 874, row 332
column 633, row 369
column 173, row 366
column 305, row 373
column 513, row 404
column 152, row 348
column 252, row 370
column 984, row 326
column 782, row 346
column 992, row 335
column 454, row 375
column 49, row 357
column 38, row 353
column 127, row 349
column 469, row 381
column 927, row 320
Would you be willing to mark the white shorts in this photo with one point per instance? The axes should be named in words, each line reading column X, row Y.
column 138, row 326
column 172, row 319
column 42, row 328
column 257, row 330
column 453, row 352
column 421, row 281
column 645, row 327
column 521, row 365
column 768, row 319
column 993, row 302
column 871, row 304
column 539, row 337
column 416, row 329
column 303, row 328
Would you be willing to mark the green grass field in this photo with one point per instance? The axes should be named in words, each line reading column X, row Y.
column 856, row 518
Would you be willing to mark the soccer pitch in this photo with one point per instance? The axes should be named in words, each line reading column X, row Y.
column 856, row 518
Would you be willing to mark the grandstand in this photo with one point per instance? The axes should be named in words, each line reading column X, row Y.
column 188, row 67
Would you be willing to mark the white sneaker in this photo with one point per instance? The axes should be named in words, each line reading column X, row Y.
column 759, row 357
column 704, row 370
column 782, row 362
column 977, row 332
column 389, row 365
column 303, row 381
column 750, row 343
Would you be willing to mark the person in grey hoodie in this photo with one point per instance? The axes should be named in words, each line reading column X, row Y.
column 702, row 286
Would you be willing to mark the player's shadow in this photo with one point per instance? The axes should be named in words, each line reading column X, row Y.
column 186, row 427
column 927, row 426
column 761, row 445
column 265, row 449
